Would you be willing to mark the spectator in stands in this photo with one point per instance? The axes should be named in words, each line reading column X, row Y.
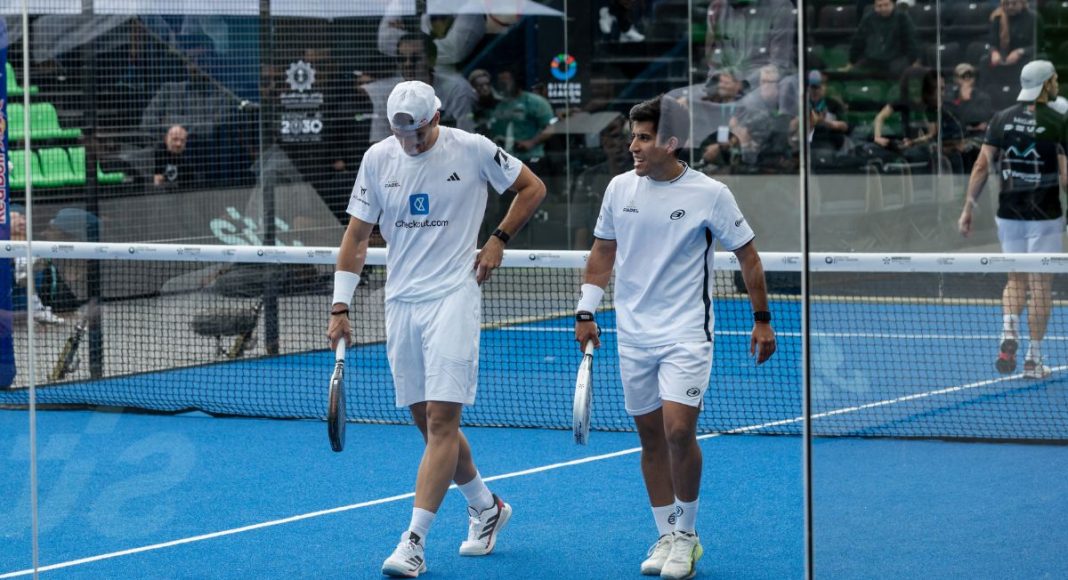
column 1015, row 37
column 827, row 128
column 885, row 42
column 195, row 103
column 591, row 183
column 760, row 133
column 1024, row 149
column 616, row 16
column 21, row 273
column 172, row 167
column 486, row 100
column 522, row 121
column 416, row 57
column 725, row 86
column 744, row 35
column 972, row 107
column 327, row 158
column 455, row 36
column 923, row 126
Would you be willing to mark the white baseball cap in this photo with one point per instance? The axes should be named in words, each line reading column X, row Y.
column 1032, row 77
column 413, row 98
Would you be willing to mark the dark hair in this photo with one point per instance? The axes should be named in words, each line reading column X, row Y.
column 669, row 119
column 429, row 48
column 647, row 111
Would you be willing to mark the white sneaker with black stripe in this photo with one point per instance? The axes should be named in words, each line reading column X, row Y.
column 407, row 561
column 484, row 527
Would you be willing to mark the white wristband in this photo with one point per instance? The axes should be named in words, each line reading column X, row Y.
column 591, row 298
column 345, row 284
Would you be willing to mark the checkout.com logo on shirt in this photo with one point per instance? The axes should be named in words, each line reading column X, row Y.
column 419, row 204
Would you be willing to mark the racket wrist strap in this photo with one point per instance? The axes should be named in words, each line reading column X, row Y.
column 345, row 284
column 590, row 298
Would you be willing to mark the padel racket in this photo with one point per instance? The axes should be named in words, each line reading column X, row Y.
column 583, row 397
column 335, row 410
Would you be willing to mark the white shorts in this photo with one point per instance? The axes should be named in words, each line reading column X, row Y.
column 678, row 373
column 432, row 347
column 1031, row 237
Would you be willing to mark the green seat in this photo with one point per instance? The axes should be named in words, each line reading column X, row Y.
column 111, row 178
column 77, row 164
column 14, row 89
column 56, row 166
column 835, row 57
column 45, row 123
column 863, row 93
column 18, row 173
column 15, row 125
column 17, row 159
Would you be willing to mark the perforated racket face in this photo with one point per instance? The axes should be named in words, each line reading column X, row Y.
column 583, row 400
column 335, row 414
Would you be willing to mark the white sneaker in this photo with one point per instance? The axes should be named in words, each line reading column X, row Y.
column 1034, row 369
column 46, row 316
column 656, row 556
column 681, row 563
column 483, row 528
column 631, row 35
column 407, row 560
column 606, row 21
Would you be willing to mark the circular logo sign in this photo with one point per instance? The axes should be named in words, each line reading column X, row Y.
column 693, row 392
column 677, row 214
column 564, row 67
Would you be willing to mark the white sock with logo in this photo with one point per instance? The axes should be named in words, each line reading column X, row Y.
column 686, row 515
column 421, row 522
column 476, row 493
column 663, row 515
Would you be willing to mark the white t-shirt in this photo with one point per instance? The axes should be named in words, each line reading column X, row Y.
column 429, row 208
column 664, row 234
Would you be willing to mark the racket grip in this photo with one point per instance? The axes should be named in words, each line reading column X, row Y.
column 339, row 354
column 589, row 348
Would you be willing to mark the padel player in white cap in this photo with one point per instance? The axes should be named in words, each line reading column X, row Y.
column 1024, row 146
column 425, row 187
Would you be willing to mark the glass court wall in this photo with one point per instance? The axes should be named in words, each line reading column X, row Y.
column 238, row 123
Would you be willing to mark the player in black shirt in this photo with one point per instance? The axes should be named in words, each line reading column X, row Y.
column 1025, row 146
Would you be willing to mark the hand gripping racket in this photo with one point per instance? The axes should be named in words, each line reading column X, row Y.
column 335, row 410
column 583, row 397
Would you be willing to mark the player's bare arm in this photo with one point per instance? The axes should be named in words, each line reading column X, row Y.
column 530, row 191
column 975, row 187
column 350, row 259
column 598, row 273
column 762, row 342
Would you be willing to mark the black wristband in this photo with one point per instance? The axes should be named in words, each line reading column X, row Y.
column 583, row 316
column 502, row 235
column 339, row 312
column 762, row 316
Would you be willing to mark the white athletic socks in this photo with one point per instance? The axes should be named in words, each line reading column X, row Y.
column 1034, row 351
column 476, row 493
column 1010, row 326
column 686, row 515
column 421, row 521
column 665, row 523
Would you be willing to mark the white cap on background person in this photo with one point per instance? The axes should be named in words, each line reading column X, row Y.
column 415, row 99
column 1032, row 77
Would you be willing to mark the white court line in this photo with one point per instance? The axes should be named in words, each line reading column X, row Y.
column 531, row 471
column 872, row 335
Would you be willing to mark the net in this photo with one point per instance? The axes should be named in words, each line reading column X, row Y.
column 902, row 345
